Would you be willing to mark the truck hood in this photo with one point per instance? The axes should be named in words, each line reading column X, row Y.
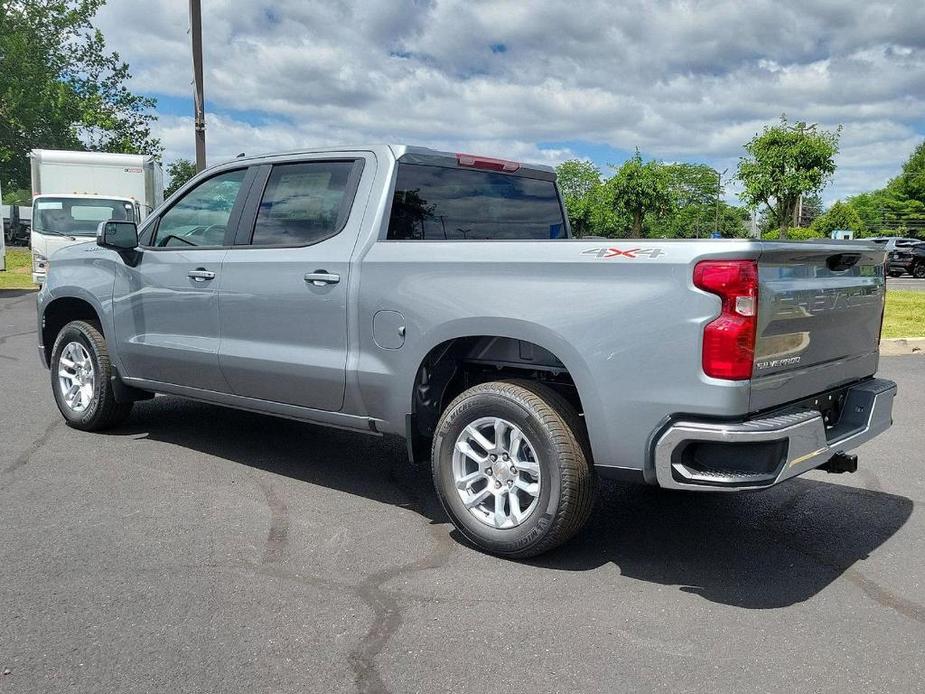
column 49, row 244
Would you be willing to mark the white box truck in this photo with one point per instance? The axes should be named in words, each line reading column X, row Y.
column 72, row 192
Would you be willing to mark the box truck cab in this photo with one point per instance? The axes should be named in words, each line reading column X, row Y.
column 74, row 191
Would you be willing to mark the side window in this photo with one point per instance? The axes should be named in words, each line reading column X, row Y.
column 440, row 203
column 303, row 203
column 200, row 217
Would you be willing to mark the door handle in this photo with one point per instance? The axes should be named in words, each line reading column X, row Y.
column 200, row 275
column 320, row 278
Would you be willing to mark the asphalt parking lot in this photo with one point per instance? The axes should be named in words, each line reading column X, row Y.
column 906, row 283
column 198, row 549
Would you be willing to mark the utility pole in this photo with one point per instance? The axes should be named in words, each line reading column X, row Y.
column 195, row 14
column 719, row 192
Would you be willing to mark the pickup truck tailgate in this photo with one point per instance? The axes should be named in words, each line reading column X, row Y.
column 820, row 312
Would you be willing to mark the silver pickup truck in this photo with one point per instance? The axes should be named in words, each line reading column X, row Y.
column 440, row 297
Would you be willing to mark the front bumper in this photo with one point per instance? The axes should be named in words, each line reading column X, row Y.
column 761, row 452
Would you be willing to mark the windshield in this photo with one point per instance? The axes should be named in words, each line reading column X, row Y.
column 78, row 216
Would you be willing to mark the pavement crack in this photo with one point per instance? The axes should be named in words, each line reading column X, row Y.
column 885, row 597
column 25, row 457
column 4, row 338
column 7, row 305
column 278, row 534
column 388, row 606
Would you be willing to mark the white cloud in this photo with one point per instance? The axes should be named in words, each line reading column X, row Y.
column 678, row 79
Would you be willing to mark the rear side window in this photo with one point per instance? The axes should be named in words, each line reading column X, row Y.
column 303, row 203
column 434, row 203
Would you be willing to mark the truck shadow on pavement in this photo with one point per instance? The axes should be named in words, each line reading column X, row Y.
column 759, row 550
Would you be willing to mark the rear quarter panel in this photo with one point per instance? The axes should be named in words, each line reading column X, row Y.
column 626, row 325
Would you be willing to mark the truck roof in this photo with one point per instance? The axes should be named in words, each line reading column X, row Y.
column 405, row 152
column 83, row 196
column 59, row 156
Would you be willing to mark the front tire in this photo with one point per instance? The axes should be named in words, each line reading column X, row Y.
column 81, row 379
column 511, row 466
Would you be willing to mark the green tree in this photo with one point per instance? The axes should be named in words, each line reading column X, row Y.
column 700, row 220
column 887, row 209
column 695, row 211
column 784, row 162
column 60, row 87
column 22, row 196
column 578, row 182
column 638, row 189
column 692, row 184
column 910, row 184
column 841, row 215
column 179, row 171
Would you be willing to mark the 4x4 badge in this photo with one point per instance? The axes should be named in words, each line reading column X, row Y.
column 631, row 253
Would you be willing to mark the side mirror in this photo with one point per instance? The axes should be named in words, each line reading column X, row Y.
column 117, row 235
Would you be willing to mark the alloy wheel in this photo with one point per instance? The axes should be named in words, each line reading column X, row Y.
column 76, row 376
column 496, row 473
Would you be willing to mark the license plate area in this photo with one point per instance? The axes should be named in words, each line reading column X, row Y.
column 830, row 404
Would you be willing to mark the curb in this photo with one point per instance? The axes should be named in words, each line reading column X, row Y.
column 902, row 345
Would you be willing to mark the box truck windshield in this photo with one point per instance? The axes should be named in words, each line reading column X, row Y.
column 76, row 216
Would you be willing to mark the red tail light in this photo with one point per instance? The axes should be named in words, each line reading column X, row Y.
column 729, row 341
column 488, row 163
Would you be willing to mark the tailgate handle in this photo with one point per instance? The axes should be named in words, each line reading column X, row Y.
column 842, row 261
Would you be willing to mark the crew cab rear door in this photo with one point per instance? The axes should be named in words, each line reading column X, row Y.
column 819, row 316
column 284, row 293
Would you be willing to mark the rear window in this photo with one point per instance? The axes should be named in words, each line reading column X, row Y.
column 435, row 203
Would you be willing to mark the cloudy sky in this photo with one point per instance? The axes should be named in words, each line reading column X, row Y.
column 537, row 80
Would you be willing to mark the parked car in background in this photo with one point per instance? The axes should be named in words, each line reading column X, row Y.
column 440, row 297
column 17, row 224
column 908, row 259
column 891, row 243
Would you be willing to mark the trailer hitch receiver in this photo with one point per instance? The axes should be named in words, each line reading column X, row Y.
column 841, row 462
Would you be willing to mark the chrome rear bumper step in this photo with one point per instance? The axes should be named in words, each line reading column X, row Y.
column 761, row 452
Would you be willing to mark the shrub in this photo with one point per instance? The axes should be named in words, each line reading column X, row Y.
column 793, row 234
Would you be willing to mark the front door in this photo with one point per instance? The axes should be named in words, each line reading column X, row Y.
column 283, row 296
column 166, row 306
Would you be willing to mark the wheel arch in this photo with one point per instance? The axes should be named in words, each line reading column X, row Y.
column 477, row 351
column 60, row 311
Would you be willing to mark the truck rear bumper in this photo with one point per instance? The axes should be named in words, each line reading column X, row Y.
column 761, row 452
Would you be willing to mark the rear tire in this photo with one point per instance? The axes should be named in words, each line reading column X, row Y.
column 919, row 271
column 538, row 490
column 81, row 376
